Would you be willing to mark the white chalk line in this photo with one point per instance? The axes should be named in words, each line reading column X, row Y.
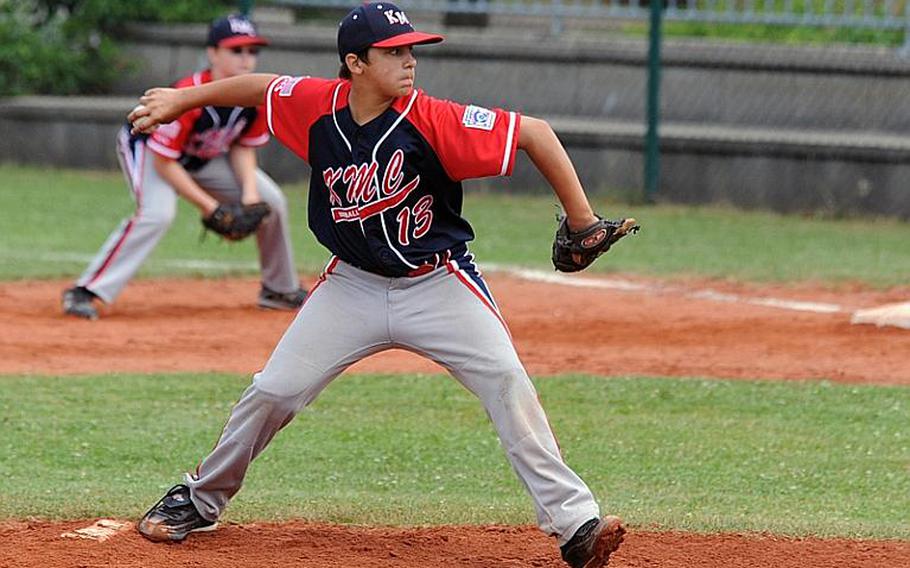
column 517, row 271
column 796, row 305
column 189, row 264
column 628, row 286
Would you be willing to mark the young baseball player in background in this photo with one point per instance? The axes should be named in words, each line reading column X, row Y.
column 208, row 157
column 385, row 198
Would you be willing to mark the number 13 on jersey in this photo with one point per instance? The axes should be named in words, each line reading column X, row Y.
column 423, row 218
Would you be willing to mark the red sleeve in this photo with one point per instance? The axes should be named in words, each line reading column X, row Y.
column 169, row 139
column 293, row 104
column 470, row 141
column 258, row 133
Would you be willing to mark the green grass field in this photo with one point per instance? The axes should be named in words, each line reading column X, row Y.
column 784, row 457
column 54, row 221
column 790, row 458
column 774, row 34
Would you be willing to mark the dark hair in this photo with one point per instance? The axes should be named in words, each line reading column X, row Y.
column 363, row 55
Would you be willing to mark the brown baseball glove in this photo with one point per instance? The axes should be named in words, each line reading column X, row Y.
column 235, row 221
column 574, row 251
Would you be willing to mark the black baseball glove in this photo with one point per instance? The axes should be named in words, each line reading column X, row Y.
column 235, row 221
column 574, row 251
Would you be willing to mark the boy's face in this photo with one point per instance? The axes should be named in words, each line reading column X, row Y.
column 391, row 70
column 231, row 61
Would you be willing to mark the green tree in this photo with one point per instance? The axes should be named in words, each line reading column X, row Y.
column 70, row 46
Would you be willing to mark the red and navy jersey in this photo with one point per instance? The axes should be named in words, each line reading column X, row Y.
column 386, row 196
column 205, row 133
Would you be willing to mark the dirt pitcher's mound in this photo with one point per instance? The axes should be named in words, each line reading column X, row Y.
column 661, row 330
column 658, row 329
column 324, row 546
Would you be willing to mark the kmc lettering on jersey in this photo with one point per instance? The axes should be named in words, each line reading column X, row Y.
column 362, row 191
column 214, row 141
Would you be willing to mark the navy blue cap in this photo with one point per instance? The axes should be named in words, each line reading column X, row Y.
column 233, row 31
column 378, row 24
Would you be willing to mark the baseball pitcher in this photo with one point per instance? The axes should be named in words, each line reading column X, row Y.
column 385, row 199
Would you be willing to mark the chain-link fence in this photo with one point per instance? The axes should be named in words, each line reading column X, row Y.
column 842, row 14
column 756, row 123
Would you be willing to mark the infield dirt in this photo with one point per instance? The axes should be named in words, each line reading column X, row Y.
column 214, row 325
column 661, row 330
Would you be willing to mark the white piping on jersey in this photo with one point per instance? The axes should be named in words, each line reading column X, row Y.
column 134, row 164
column 257, row 141
column 268, row 102
column 162, row 149
column 197, row 79
column 235, row 114
column 375, row 180
column 129, row 163
column 140, row 174
column 335, row 118
column 385, row 230
column 343, row 137
column 232, row 118
column 215, row 118
column 508, row 152
column 398, row 120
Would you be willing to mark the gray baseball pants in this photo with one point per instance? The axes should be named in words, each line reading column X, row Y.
column 156, row 206
column 447, row 316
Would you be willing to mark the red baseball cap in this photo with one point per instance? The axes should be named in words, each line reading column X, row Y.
column 234, row 31
column 378, row 24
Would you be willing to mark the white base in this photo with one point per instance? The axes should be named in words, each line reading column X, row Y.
column 897, row 315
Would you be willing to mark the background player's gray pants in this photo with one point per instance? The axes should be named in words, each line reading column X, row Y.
column 156, row 205
column 351, row 314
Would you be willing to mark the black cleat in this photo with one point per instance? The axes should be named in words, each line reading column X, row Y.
column 271, row 300
column 173, row 518
column 77, row 301
column 593, row 543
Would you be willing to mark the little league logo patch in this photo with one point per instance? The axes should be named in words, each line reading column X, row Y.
column 287, row 84
column 478, row 117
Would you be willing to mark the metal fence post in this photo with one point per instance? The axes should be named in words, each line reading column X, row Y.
column 556, row 18
column 652, row 141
